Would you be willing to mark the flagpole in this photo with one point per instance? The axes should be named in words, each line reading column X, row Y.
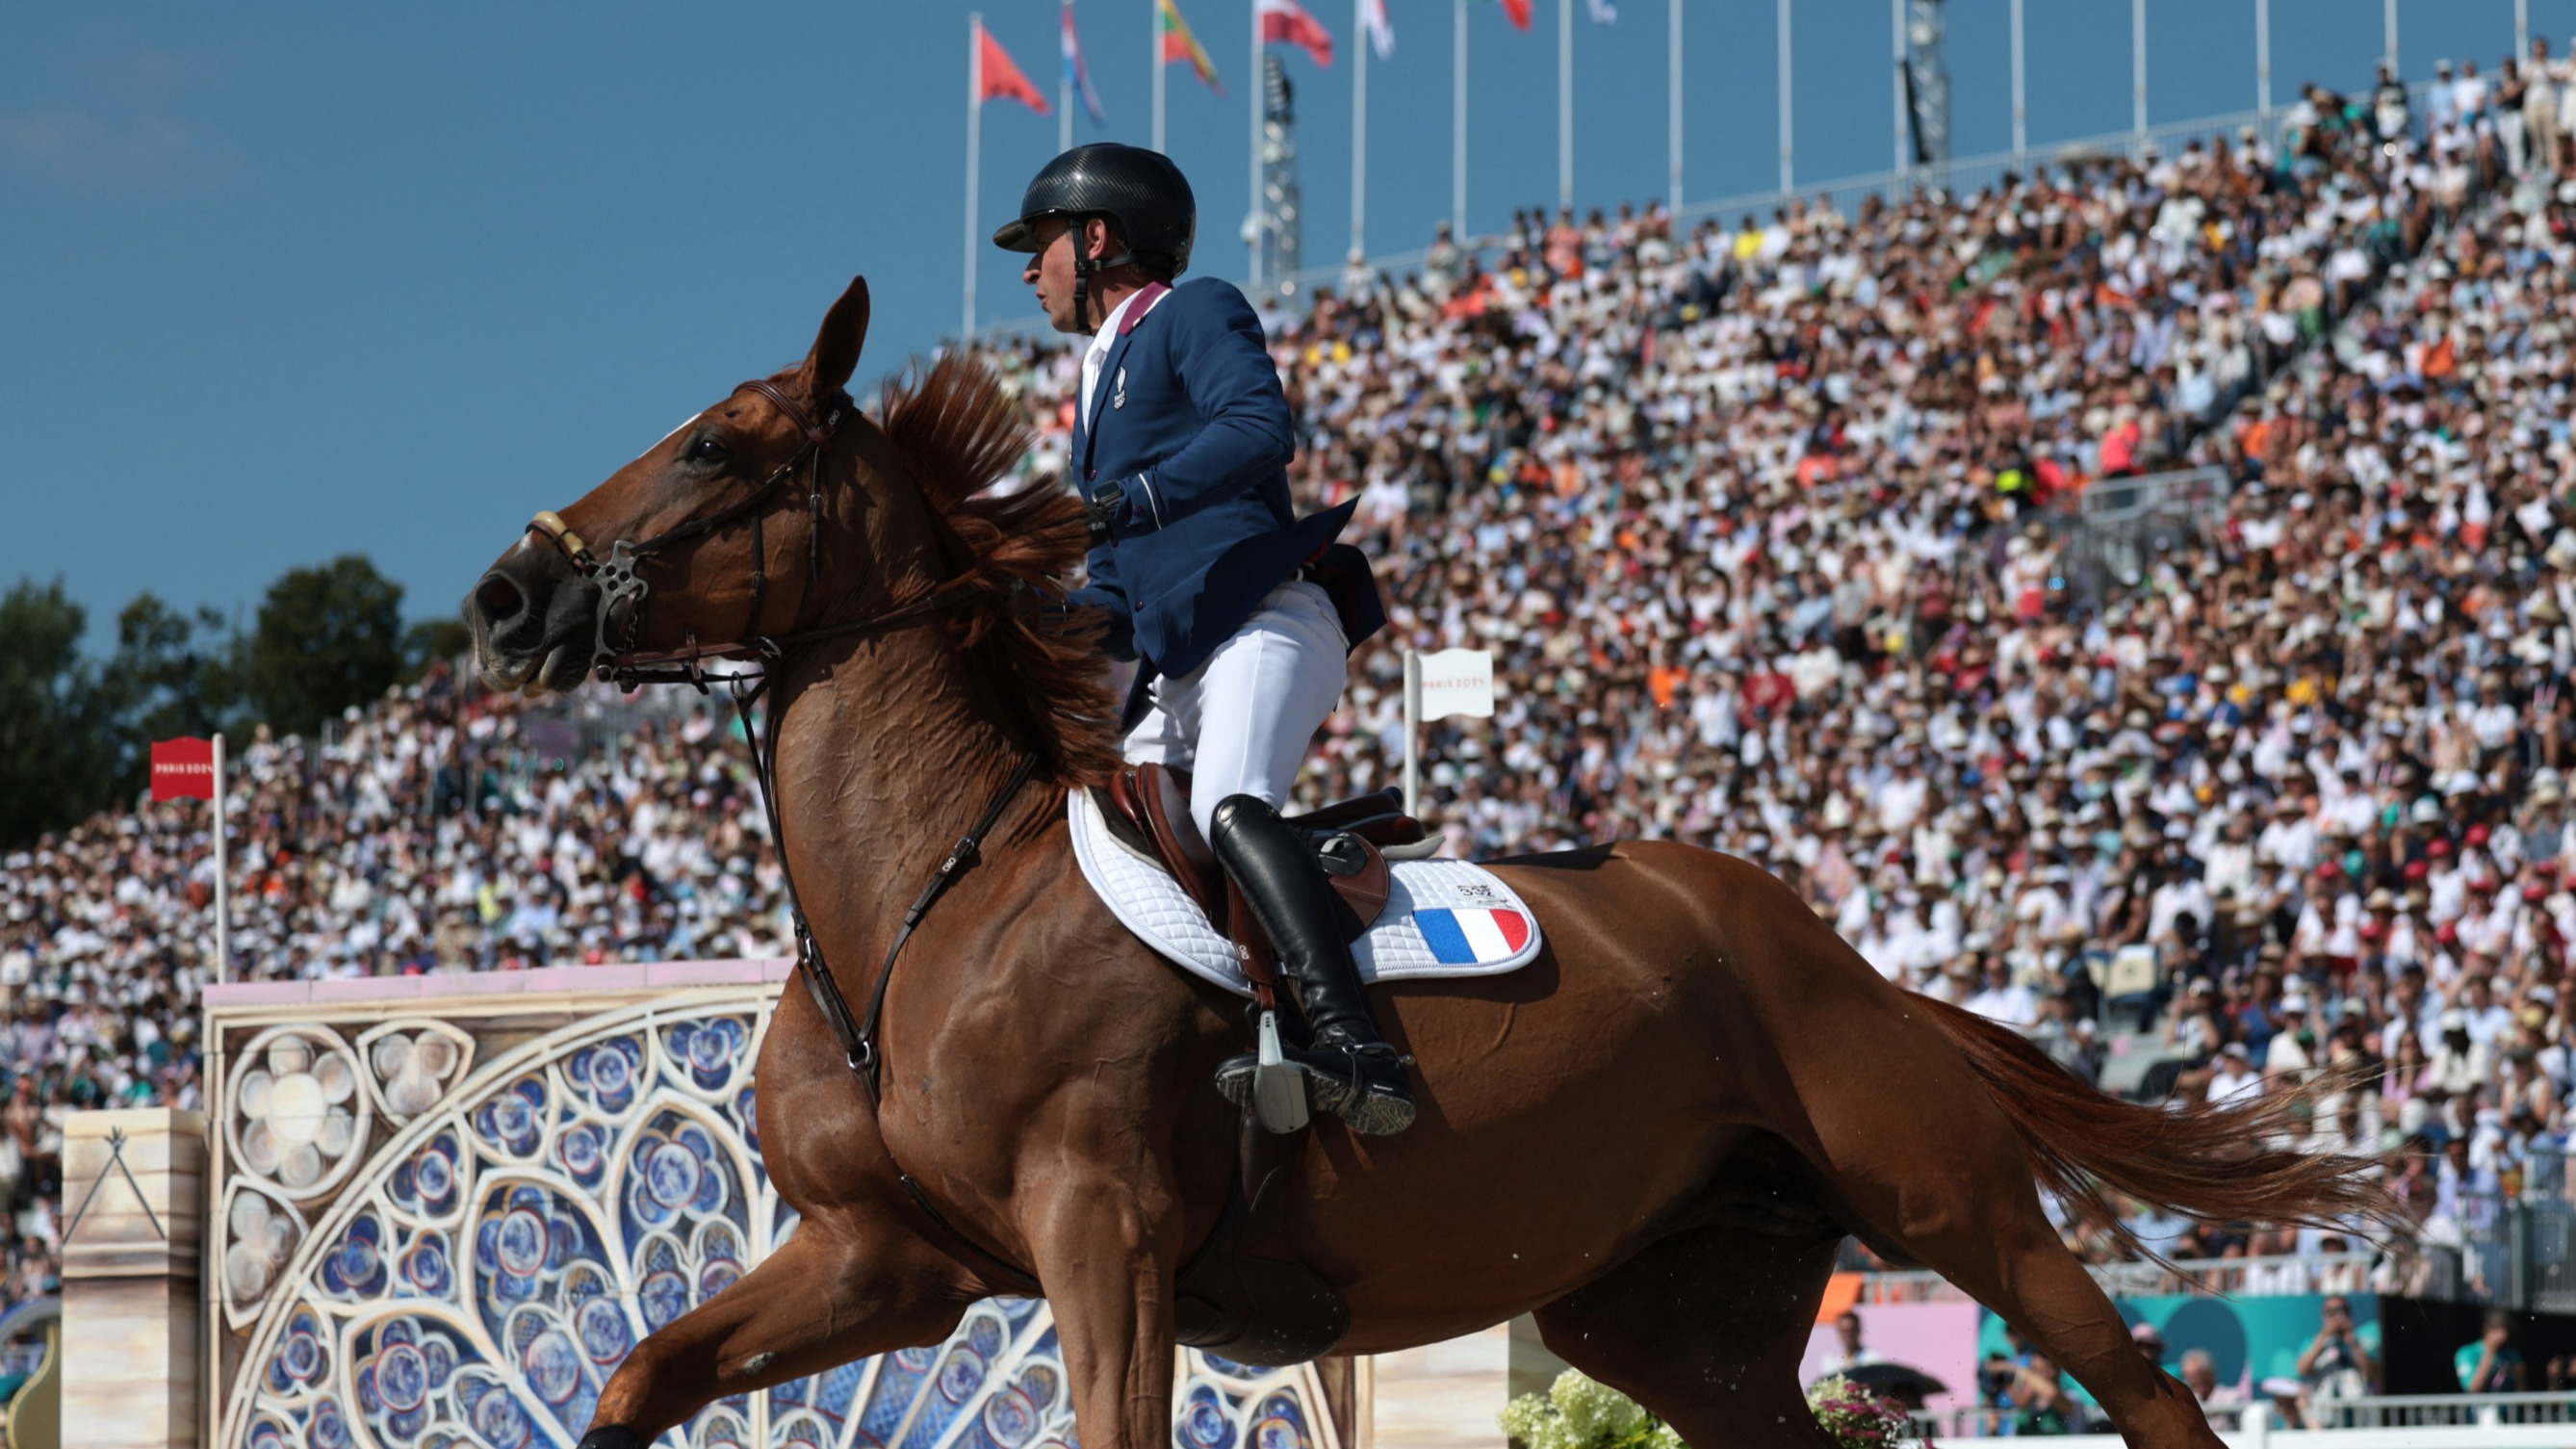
column 2263, row 52
column 1565, row 104
column 1252, row 233
column 1362, row 41
column 1413, row 720
column 1788, row 113
column 1896, row 29
column 1064, row 84
column 2138, row 69
column 1155, row 13
column 974, row 155
column 223, row 879
column 2021, row 110
column 1458, row 132
column 1673, row 124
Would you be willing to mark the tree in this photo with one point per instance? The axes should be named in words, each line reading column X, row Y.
column 434, row 641
column 57, row 724
column 327, row 638
column 172, row 675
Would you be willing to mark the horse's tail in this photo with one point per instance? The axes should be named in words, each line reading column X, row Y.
column 2199, row 1160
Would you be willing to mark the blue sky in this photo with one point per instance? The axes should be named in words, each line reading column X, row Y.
column 280, row 282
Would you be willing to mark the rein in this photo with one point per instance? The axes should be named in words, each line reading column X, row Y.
column 615, row 660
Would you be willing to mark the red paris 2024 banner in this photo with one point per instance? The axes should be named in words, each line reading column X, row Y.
column 183, row 769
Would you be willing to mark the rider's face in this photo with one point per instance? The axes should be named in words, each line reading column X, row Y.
column 1049, row 271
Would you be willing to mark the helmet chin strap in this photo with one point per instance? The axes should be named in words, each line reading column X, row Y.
column 1083, row 267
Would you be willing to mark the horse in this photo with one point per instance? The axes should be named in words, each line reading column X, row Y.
column 1653, row 1137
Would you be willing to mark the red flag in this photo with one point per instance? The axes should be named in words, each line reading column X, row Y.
column 997, row 79
column 183, row 769
column 1285, row 22
column 1518, row 13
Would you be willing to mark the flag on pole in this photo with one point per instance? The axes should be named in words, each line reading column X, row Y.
column 1285, row 22
column 1605, row 12
column 998, row 78
column 1180, row 44
column 1077, row 76
column 1457, row 681
column 1518, row 13
column 1381, row 31
column 183, row 769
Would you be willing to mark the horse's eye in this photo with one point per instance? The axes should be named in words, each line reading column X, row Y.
column 707, row 449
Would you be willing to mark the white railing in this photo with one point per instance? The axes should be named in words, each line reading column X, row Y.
column 2394, row 1411
column 2234, row 1277
column 2451, row 1421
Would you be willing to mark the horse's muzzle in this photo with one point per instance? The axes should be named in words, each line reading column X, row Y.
column 535, row 622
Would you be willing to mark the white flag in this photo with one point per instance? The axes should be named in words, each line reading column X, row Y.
column 1381, row 31
column 1457, row 681
column 1605, row 12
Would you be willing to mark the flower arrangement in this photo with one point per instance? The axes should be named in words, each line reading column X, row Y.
column 1582, row 1413
column 1861, row 1419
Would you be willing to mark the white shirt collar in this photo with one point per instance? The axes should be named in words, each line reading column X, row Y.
column 1101, row 341
column 1108, row 332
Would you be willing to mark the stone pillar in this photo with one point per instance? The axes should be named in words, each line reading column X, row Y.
column 134, row 1205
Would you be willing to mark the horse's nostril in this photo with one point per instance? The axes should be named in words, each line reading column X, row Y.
column 500, row 600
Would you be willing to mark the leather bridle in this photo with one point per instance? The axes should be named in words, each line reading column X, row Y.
column 615, row 660
column 614, row 657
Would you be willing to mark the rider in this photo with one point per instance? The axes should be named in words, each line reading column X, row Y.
column 1211, row 582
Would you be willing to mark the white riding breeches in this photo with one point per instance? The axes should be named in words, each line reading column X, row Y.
column 1240, row 722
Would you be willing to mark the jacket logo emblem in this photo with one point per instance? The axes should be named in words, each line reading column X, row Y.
column 1118, row 394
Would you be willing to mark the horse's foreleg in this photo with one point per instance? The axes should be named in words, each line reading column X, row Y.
column 830, row 1294
column 1107, row 1250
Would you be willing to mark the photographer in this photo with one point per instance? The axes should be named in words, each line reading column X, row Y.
column 2338, row 1362
column 2488, row 1363
column 2039, row 1394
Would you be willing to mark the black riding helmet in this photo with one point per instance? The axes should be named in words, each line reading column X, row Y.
column 1140, row 190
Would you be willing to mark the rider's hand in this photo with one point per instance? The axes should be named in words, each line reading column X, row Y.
column 1119, row 510
column 1101, row 513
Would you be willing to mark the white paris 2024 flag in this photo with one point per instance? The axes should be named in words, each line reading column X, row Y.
column 1457, row 681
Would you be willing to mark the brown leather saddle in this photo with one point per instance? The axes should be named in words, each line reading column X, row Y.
column 1246, row 1295
column 1149, row 806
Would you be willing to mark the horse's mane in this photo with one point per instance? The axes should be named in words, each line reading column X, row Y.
column 963, row 431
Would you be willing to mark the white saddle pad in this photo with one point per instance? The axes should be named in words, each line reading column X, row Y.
column 1442, row 917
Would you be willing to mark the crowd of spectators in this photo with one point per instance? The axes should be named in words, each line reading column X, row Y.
column 443, row 830
column 1775, row 532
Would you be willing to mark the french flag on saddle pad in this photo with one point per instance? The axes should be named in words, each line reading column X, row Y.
column 1463, row 936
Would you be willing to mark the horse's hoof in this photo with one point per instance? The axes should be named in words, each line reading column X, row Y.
column 612, row 1436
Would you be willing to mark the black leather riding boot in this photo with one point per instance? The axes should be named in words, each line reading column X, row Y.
column 1350, row 1069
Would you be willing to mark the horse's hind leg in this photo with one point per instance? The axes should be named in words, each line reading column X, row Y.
column 1705, row 1329
column 1916, row 1149
column 827, row 1296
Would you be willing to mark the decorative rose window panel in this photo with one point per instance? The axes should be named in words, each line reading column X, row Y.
column 445, row 1228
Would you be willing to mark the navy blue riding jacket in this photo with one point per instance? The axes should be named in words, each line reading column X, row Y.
column 1188, row 421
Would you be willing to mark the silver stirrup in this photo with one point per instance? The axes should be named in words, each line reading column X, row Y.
column 1278, row 1085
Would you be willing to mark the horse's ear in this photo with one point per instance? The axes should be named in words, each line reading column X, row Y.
column 836, row 347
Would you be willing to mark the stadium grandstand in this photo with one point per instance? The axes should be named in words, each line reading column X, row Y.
column 1790, row 536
